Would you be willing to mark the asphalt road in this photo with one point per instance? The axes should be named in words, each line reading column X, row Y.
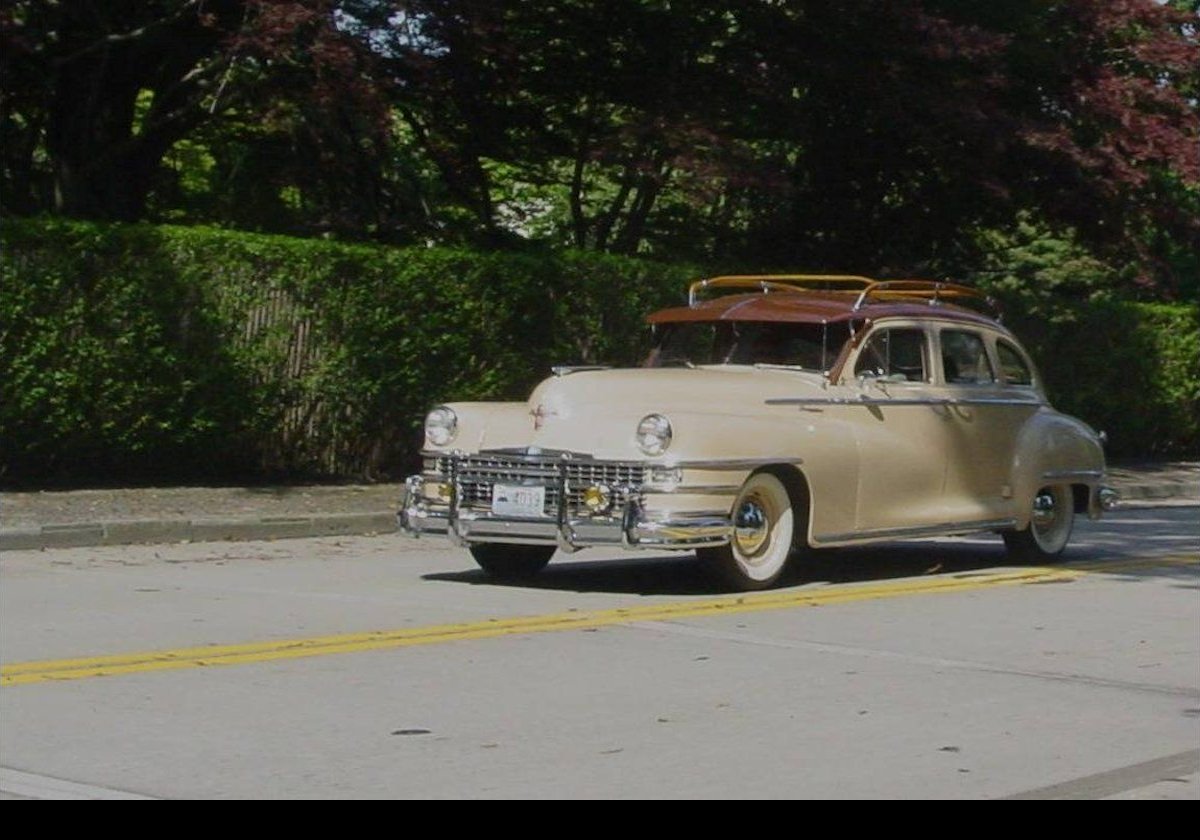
column 354, row 667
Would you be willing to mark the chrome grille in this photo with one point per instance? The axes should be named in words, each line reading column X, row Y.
column 478, row 473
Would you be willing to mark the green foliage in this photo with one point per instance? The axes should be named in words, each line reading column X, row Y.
column 104, row 372
column 843, row 135
column 133, row 352
column 1034, row 270
column 1131, row 369
column 139, row 353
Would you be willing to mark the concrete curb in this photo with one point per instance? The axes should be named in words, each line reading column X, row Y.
column 128, row 532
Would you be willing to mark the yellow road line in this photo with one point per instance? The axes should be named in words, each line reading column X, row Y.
column 199, row 657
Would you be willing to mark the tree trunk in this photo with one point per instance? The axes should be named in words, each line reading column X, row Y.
column 575, row 198
column 635, row 223
column 104, row 154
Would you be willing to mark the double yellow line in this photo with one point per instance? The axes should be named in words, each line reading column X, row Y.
column 200, row 657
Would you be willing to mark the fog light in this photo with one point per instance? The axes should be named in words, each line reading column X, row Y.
column 597, row 498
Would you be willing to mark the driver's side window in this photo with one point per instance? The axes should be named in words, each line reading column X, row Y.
column 895, row 355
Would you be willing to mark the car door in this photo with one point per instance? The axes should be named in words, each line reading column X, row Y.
column 900, row 426
column 990, row 395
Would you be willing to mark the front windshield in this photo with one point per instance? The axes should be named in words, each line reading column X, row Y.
column 787, row 344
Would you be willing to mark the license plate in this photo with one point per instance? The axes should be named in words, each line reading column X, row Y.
column 518, row 500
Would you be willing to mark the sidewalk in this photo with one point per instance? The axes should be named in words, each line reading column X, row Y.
column 37, row 520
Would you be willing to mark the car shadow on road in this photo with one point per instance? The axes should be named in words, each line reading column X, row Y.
column 683, row 574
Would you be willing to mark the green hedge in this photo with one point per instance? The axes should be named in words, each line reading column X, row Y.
column 140, row 353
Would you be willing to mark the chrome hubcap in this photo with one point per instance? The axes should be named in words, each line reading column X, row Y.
column 1051, row 518
column 1044, row 510
column 750, row 527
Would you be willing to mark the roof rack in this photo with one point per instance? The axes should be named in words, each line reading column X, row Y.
column 868, row 290
column 780, row 283
column 934, row 291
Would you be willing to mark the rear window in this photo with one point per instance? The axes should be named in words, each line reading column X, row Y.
column 1014, row 368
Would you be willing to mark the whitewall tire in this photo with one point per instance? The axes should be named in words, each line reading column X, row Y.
column 1051, row 519
column 765, row 528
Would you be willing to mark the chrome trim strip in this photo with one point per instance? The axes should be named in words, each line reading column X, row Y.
column 533, row 458
column 697, row 490
column 813, row 401
column 567, row 370
column 993, row 401
column 939, row 401
column 549, row 460
column 881, row 401
column 941, row 530
column 719, row 464
column 698, row 530
column 1053, row 474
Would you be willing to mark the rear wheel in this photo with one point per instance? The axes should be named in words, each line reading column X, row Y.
column 764, row 530
column 511, row 562
column 1050, row 523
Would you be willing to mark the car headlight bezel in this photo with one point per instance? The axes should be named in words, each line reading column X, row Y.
column 441, row 426
column 654, row 434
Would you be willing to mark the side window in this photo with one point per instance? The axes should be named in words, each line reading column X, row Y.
column 895, row 355
column 965, row 359
column 1014, row 368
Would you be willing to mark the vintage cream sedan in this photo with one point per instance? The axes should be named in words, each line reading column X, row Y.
column 774, row 414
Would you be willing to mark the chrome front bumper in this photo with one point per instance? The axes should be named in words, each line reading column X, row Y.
column 456, row 510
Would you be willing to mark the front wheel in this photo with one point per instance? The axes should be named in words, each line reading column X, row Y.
column 1050, row 523
column 511, row 562
column 764, row 529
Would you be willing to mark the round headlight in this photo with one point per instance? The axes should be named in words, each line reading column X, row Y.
column 441, row 425
column 654, row 434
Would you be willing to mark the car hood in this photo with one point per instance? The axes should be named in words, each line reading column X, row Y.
column 720, row 389
column 712, row 411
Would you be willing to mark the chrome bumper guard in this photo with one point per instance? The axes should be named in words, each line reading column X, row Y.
column 626, row 524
